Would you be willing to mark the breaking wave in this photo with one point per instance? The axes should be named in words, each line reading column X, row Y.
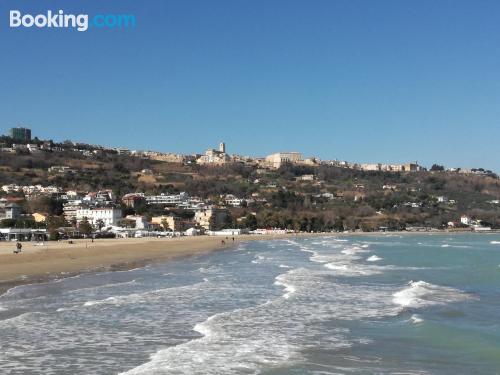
column 421, row 294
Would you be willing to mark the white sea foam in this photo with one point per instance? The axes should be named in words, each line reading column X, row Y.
column 373, row 258
column 135, row 298
column 495, row 242
column 457, row 246
column 354, row 251
column 420, row 294
column 273, row 333
column 289, row 288
column 19, row 320
column 352, row 269
column 210, row 269
column 229, row 344
column 416, row 319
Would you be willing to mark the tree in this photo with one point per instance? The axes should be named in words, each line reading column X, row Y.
column 53, row 224
column 100, row 224
column 338, row 225
column 437, row 168
column 45, row 204
column 164, row 224
column 250, row 222
column 85, row 227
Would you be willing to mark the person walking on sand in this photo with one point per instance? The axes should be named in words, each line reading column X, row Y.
column 19, row 246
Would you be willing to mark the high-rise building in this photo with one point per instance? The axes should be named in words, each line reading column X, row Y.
column 20, row 134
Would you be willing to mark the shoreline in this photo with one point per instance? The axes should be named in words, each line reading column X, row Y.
column 55, row 260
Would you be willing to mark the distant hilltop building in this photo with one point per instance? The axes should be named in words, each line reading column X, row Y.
column 20, row 134
column 409, row 167
column 213, row 156
column 278, row 159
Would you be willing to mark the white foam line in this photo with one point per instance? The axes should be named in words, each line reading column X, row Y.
column 420, row 294
column 289, row 288
column 115, row 300
column 373, row 258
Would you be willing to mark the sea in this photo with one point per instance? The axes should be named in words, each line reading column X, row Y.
column 363, row 304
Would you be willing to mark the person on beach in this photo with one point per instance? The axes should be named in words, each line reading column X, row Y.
column 19, row 246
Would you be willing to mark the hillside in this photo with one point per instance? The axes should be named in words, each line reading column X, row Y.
column 294, row 196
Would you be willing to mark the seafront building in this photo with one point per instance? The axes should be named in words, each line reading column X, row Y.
column 105, row 216
column 211, row 218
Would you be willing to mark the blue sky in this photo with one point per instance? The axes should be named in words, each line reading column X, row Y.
column 367, row 81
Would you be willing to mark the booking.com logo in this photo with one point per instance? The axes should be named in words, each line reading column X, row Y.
column 80, row 22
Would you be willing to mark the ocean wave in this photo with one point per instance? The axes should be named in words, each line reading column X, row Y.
column 416, row 319
column 421, row 294
column 495, row 242
column 246, row 340
column 373, row 258
column 135, row 298
column 227, row 346
column 456, row 246
column 20, row 319
column 103, row 286
column 289, row 288
column 354, row 250
column 352, row 269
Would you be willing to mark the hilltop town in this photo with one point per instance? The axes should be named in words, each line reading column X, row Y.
column 70, row 190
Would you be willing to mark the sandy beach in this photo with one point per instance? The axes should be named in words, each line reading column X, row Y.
column 38, row 263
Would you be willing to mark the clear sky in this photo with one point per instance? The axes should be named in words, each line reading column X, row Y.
column 366, row 81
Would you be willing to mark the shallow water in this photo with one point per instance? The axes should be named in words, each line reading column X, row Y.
column 413, row 304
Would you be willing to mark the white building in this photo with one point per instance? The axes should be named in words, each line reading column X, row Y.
column 278, row 159
column 107, row 215
column 33, row 148
column 227, row 232
column 172, row 200
column 231, row 200
column 371, row 167
column 306, row 177
column 465, row 220
column 70, row 209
